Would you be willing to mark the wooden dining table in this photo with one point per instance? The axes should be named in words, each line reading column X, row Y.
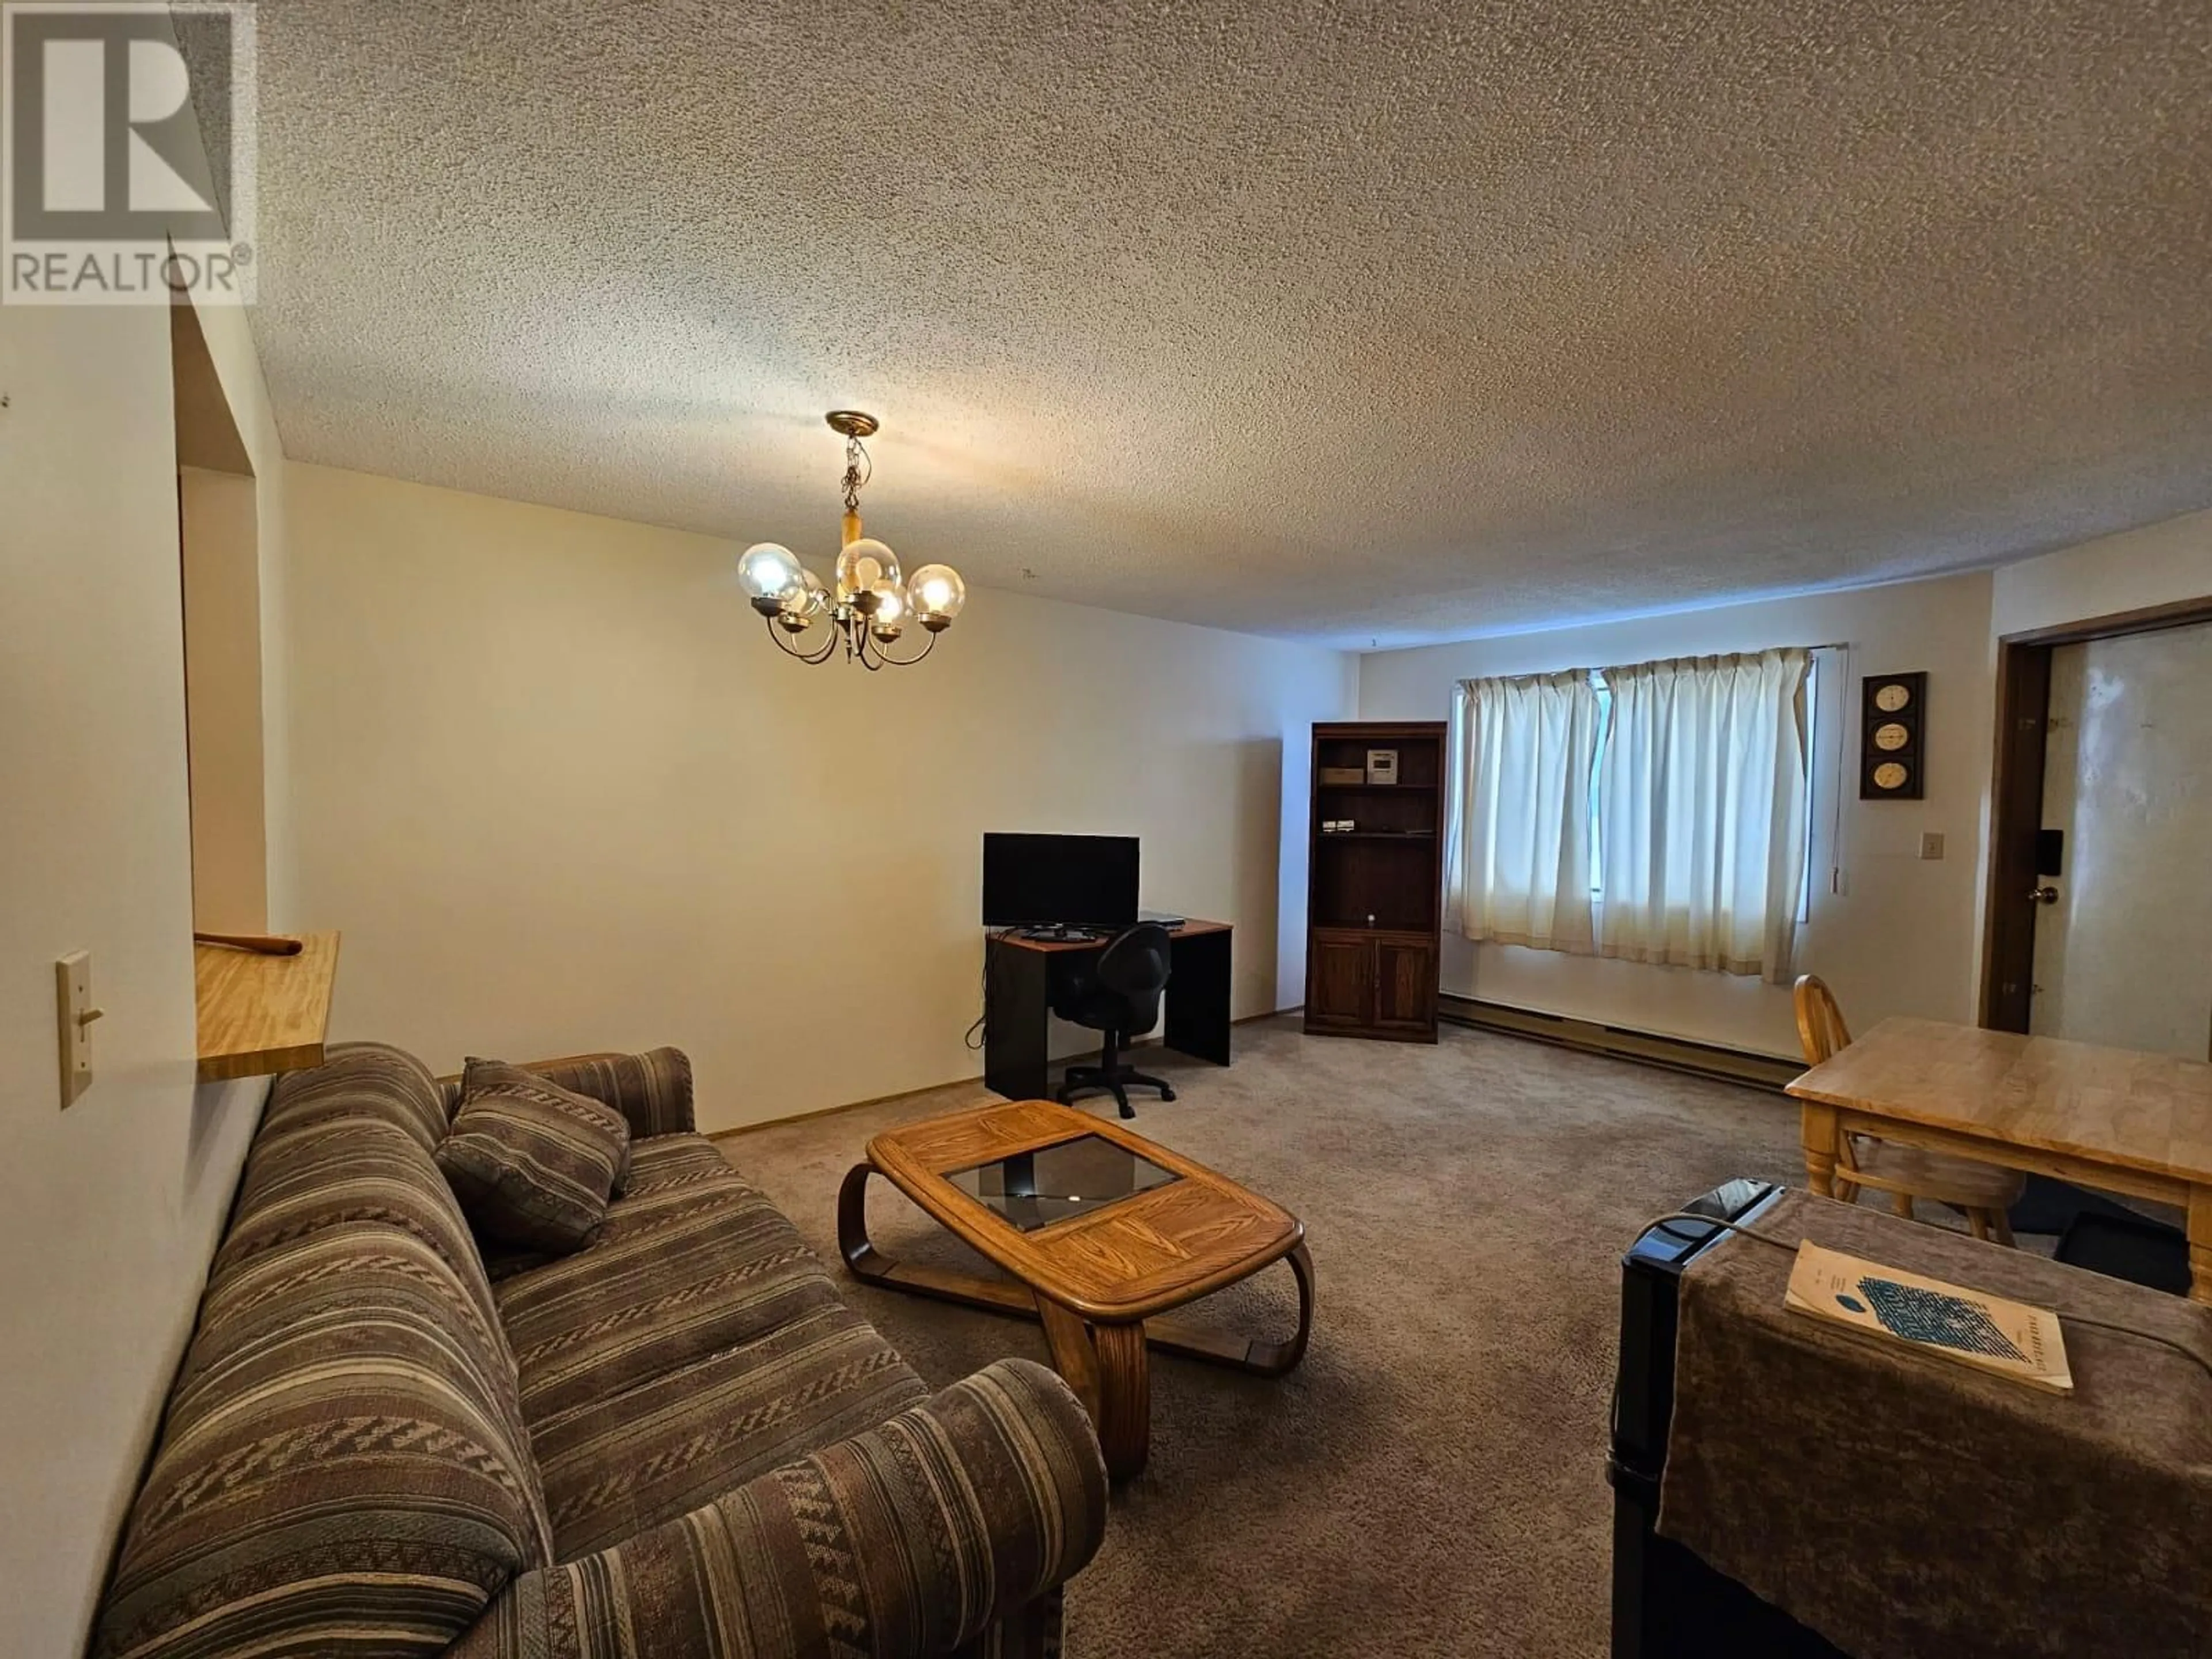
column 2129, row 1122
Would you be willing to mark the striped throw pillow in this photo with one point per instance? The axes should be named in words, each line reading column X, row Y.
column 533, row 1164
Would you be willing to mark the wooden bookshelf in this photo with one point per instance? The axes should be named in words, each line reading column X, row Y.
column 1374, row 893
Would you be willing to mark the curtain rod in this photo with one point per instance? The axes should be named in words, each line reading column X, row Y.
column 1537, row 673
column 1825, row 645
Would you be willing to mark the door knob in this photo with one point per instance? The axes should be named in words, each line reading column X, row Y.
column 2043, row 895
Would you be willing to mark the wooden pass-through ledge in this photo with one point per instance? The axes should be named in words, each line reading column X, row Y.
column 260, row 1014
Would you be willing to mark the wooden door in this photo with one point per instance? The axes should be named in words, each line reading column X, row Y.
column 1340, row 980
column 1405, row 985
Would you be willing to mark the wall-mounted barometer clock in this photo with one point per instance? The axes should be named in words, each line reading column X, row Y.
column 1892, row 741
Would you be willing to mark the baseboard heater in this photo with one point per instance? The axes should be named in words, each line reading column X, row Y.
column 1676, row 1054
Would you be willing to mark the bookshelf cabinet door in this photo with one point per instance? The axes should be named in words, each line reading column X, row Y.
column 1340, row 981
column 1405, row 985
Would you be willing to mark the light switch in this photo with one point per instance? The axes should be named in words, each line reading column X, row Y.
column 75, row 1016
column 1931, row 844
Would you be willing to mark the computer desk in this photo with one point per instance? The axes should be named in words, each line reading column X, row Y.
column 1018, row 986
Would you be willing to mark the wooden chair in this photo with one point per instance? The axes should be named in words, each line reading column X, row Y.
column 1984, row 1191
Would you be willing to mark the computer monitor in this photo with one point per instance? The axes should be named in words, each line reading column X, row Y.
column 1034, row 881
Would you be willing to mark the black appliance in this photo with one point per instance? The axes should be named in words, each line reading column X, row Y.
column 1667, row 1602
column 1043, row 881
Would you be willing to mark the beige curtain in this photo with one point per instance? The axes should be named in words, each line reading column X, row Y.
column 1702, row 797
column 1516, row 868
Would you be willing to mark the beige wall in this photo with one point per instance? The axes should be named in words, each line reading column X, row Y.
column 230, row 345
column 1899, row 936
column 223, row 710
column 110, row 1209
column 560, row 793
column 2158, row 564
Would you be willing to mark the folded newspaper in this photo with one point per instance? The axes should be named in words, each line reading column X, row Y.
column 2009, row 1338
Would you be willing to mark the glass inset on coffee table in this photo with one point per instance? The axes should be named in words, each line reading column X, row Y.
column 1101, row 1231
column 1035, row 1189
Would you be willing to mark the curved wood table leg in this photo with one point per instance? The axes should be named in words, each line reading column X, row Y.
column 1125, row 1397
column 1256, row 1354
column 871, row 1267
column 861, row 1255
column 1110, row 1368
column 1072, row 1355
column 1274, row 1358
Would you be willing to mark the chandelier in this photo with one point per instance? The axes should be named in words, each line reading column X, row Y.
column 870, row 607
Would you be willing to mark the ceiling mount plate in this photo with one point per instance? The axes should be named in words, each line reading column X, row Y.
column 851, row 422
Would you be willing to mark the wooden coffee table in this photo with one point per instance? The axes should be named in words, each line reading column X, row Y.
column 1096, row 1269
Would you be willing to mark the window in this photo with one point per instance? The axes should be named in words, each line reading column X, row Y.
column 1655, row 813
column 1519, row 848
column 1605, row 725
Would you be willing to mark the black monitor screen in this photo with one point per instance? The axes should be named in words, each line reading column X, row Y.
column 1031, row 880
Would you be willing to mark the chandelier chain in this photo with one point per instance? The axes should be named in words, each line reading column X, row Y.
column 858, row 467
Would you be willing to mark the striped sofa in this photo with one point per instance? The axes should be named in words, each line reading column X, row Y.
column 677, row 1443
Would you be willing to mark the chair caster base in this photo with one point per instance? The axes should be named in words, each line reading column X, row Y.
column 1096, row 1079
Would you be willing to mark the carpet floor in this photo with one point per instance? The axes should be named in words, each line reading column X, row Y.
column 1431, row 1480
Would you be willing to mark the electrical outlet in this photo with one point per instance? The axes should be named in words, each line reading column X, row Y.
column 73, row 1017
column 1931, row 844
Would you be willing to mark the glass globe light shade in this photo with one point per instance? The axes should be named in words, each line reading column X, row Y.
column 767, row 572
column 887, row 620
column 938, row 594
column 862, row 565
column 804, row 603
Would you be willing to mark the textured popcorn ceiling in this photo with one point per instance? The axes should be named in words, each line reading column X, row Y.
column 1357, row 323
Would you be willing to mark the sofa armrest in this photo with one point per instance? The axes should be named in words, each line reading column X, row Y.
column 909, row 1540
column 652, row 1090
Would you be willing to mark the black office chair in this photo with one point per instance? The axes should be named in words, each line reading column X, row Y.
column 1119, row 994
